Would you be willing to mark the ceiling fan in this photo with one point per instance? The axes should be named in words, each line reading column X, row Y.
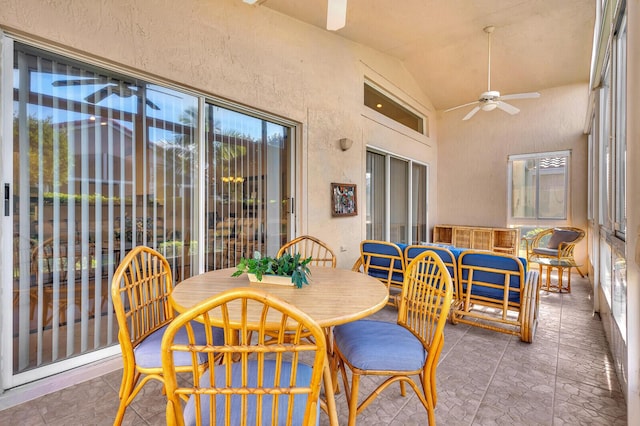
column 491, row 99
column 111, row 87
column 336, row 12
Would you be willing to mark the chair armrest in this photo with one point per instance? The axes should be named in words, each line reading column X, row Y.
column 528, row 242
column 566, row 250
column 357, row 266
column 529, row 306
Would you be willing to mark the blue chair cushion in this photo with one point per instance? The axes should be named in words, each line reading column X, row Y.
column 496, row 262
column 148, row 355
column 561, row 236
column 303, row 379
column 379, row 345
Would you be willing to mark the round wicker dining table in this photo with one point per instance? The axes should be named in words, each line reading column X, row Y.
column 332, row 297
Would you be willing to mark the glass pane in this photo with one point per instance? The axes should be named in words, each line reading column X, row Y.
column 605, row 269
column 419, row 203
column 375, row 196
column 247, row 188
column 398, row 193
column 386, row 106
column 523, row 189
column 620, row 111
column 552, row 190
column 102, row 163
column 619, row 299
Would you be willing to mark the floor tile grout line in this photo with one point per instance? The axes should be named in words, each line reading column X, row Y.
column 493, row 375
column 555, row 376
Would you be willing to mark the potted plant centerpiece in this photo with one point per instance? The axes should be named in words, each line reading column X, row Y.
column 262, row 268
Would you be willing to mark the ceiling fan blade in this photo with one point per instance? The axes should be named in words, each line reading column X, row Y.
column 471, row 113
column 152, row 105
column 461, row 106
column 99, row 95
column 79, row 82
column 507, row 108
column 336, row 14
column 530, row 95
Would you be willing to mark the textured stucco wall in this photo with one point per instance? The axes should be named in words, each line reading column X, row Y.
column 259, row 58
column 472, row 155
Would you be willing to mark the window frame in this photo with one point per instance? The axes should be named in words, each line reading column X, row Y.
column 521, row 220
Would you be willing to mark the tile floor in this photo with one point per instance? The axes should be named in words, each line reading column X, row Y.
column 565, row 377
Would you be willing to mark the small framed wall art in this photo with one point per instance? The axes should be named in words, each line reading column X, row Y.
column 344, row 200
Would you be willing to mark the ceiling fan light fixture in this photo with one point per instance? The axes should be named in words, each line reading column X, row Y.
column 489, row 106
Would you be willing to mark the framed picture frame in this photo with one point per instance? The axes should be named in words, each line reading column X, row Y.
column 344, row 199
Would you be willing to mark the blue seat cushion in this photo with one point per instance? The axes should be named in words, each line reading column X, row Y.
column 148, row 355
column 379, row 345
column 545, row 251
column 303, row 379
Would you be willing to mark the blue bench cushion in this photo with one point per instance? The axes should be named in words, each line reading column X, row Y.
column 148, row 355
column 447, row 257
column 379, row 266
column 492, row 261
column 379, row 345
column 303, row 379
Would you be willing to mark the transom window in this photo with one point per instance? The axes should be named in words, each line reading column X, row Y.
column 378, row 101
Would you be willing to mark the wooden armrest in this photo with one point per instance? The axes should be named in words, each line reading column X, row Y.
column 529, row 305
column 357, row 265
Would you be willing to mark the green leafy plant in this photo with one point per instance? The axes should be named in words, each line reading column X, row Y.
column 285, row 266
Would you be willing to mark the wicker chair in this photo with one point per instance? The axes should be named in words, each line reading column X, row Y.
column 51, row 267
column 384, row 261
column 140, row 290
column 495, row 293
column 448, row 257
column 308, row 246
column 555, row 243
column 412, row 346
column 256, row 383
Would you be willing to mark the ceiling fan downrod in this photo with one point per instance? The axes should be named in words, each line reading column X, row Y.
column 489, row 31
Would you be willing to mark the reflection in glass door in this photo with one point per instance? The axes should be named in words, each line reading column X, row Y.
column 247, row 186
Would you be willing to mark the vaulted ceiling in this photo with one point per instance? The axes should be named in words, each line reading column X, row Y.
column 537, row 44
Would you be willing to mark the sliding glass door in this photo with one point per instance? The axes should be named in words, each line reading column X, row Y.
column 396, row 195
column 103, row 162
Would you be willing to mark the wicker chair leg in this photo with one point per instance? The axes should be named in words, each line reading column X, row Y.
column 129, row 380
column 353, row 401
column 403, row 390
